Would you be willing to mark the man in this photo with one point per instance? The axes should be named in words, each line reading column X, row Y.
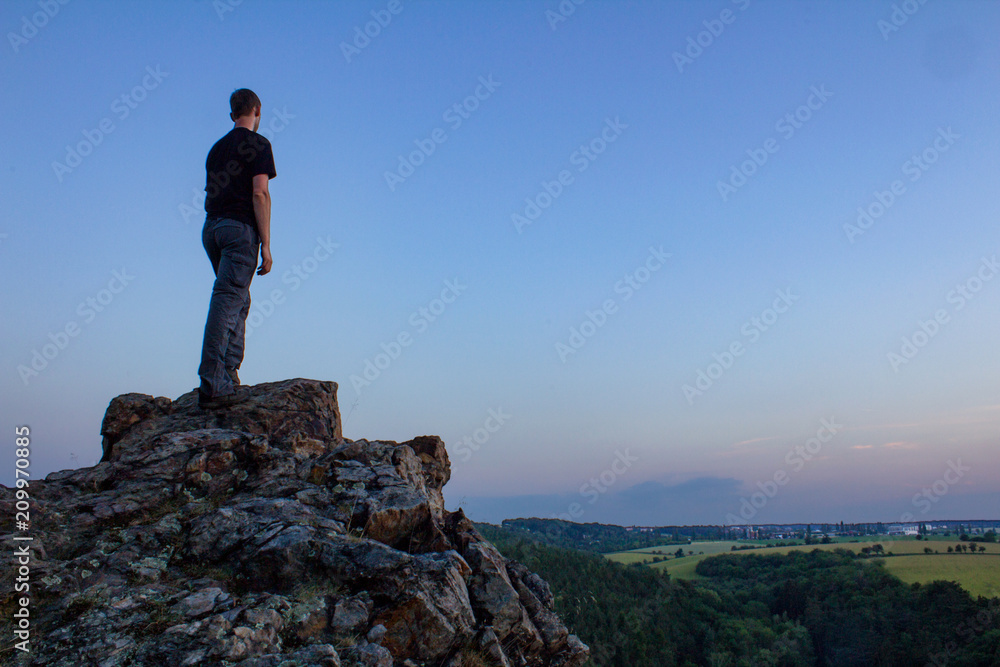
column 237, row 223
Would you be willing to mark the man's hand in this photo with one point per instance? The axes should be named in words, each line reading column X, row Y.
column 265, row 261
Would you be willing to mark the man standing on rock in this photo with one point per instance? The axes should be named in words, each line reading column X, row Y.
column 238, row 222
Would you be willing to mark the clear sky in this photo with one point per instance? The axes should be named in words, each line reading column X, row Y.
column 626, row 258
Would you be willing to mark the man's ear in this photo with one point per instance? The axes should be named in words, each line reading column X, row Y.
column 256, row 112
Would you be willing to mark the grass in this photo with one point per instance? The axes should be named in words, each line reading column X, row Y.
column 977, row 573
column 700, row 549
column 161, row 617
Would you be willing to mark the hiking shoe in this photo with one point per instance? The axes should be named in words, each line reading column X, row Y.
column 224, row 401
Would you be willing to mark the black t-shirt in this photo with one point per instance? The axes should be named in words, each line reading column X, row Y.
column 231, row 165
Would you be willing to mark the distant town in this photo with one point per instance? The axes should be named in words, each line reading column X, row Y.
column 606, row 538
column 816, row 531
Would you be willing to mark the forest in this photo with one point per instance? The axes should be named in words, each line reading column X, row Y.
column 816, row 608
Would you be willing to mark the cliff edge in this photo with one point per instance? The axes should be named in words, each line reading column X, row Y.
column 258, row 536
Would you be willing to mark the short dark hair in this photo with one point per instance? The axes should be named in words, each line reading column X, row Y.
column 243, row 101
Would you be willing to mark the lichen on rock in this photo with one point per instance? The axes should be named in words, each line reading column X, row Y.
column 259, row 536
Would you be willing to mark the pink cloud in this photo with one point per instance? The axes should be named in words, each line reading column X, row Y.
column 752, row 440
column 901, row 444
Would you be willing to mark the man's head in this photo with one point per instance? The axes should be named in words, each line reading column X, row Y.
column 245, row 106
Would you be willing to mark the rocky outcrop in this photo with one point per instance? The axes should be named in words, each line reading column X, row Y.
column 258, row 536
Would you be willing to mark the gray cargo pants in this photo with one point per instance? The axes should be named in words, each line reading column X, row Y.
column 232, row 247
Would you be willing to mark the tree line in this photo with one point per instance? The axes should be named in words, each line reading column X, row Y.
column 829, row 608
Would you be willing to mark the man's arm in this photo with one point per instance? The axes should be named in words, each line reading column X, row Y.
column 262, row 211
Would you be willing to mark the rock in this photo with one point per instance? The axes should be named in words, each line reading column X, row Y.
column 376, row 634
column 489, row 644
column 204, row 601
column 257, row 536
column 367, row 655
column 308, row 618
column 350, row 616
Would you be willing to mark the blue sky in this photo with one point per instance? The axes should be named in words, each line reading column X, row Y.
column 692, row 297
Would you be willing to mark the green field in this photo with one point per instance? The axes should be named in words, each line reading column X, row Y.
column 978, row 573
column 646, row 554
